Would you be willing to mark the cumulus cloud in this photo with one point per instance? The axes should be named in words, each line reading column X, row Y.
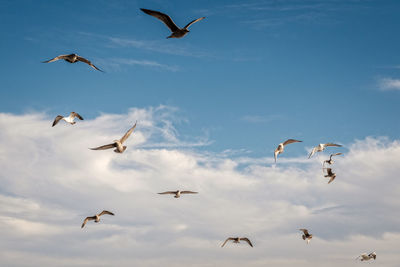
column 387, row 84
column 50, row 181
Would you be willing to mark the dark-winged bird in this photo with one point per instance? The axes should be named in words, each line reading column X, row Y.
column 73, row 58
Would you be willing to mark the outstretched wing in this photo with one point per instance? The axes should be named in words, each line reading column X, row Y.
column 74, row 114
column 88, row 219
column 104, row 147
column 84, row 60
column 56, row 58
column 128, row 133
column 331, row 144
column 56, row 120
column 188, row 192
column 193, row 21
column 289, row 141
column 336, row 154
column 247, row 240
column 106, row 212
column 229, row 238
column 167, row 192
column 312, row 152
column 163, row 17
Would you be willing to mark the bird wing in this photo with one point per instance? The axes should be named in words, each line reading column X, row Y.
column 56, row 58
column 163, row 17
column 104, row 147
column 289, row 141
column 332, row 178
column 128, row 133
column 106, row 212
column 84, row 60
column 331, row 144
column 56, row 120
column 276, row 155
column 167, row 192
column 74, row 114
column 247, row 240
column 336, row 154
column 312, row 152
column 193, row 21
column 229, row 238
column 305, row 231
column 188, row 192
column 88, row 219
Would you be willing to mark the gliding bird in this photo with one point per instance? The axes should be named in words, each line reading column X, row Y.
column 306, row 236
column 96, row 217
column 117, row 143
column 330, row 174
column 69, row 119
column 73, row 58
column 330, row 160
column 365, row 257
column 281, row 146
column 237, row 240
column 177, row 193
column 321, row 147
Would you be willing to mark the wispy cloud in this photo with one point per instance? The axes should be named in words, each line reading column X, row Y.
column 388, row 84
column 262, row 119
column 117, row 63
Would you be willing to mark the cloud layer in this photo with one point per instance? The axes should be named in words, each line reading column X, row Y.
column 50, row 181
column 389, row 84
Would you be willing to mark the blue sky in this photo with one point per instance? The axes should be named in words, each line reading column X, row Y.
column 250, row 75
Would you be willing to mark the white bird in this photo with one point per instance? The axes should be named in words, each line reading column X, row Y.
column 176, row 31
column 321, row 147
column 96, row 217
column 281, row 146
column 177, row 193
column 365, row 257
column 306, row 236
column 73, row 58
column 330, row 174
column 119, row 148
column 237, row 240
column 330, row 160
column 70, row 119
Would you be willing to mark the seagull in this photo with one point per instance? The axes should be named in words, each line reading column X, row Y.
column 73, row 58
column 96, row 217
column 177, row 193
column 176, row 31
column 70, row 119
column 330, row 161
column 306, row 236
column 365, row 257
column 321, row 147
column 330, row 174
column 237, row 240
column 280, row 147
column 117, row 143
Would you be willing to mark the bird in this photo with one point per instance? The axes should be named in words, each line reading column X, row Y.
column 330, row 160
column 96, row 217
column 365, row 257
column 73, row 58
column 176, row 31
column 237, row 240
column 321, row 147
column 281, row 146
column 306, row 236
column 70, row 119
column 177, row 193
column 330, row 174
column 119, row 148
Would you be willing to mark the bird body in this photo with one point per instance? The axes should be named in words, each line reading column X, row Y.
column 178, row 193
column 306, row 235
column 96, row 217
column 117, row 144
column 330, row 160
column 281, row 147
column 367, row 257
column 237, row 240
column 70, row 119
column 176, row 31
column 72, row 58
column 321, row 147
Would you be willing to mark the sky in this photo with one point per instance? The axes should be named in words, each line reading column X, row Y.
column 211, row 108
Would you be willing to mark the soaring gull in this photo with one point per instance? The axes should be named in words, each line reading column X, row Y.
column 177, row 193
column 96, row 217
column 70, row 119
column 281, row 146
column 119, row 148
column 321, row 147
column 365, row 257
column 306, row 236
column 237, row 240
column 73, row 58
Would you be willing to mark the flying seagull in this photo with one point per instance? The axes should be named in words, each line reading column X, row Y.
column 176, row 31
column 237, row 240
column 365, row 257
column 177, row 193
column 96, row 217
column 117, row 143
column 70, row 119
column 330, row 160
column 281, row 146
column 330, row 174
column 306, row 236
column 321, row 147
column 73, row 58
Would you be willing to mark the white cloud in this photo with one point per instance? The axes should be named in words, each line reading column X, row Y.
column 50, row 181
column 387, row 84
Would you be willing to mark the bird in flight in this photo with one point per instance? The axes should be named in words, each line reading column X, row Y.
column 177, row 193
column 96, row 217
column 281, row 146
column 237, row 240
column 306, row 236
column 176, row 31
column 330, row 174
column 365, row 257
column 70, row 119
column 73, row 58
column 330, row 160
column 119, row 148
column 321, row 147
